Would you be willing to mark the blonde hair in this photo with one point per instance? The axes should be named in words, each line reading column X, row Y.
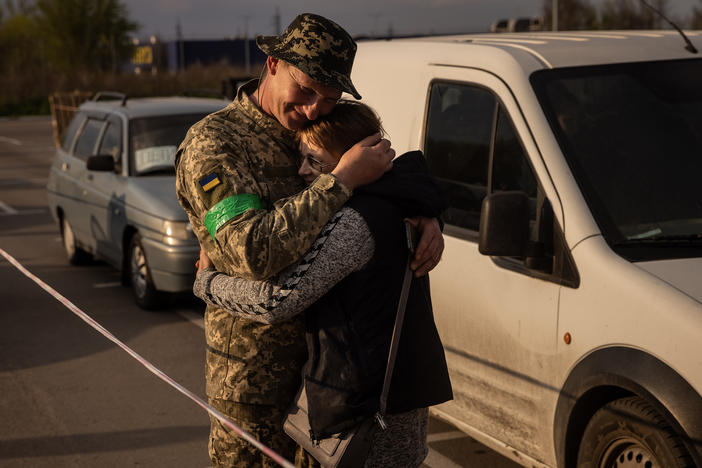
column 347, row 124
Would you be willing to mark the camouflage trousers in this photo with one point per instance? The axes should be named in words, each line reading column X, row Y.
column 265, row 423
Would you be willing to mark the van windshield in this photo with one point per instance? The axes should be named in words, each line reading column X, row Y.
column 153, row 142
column 632, row 136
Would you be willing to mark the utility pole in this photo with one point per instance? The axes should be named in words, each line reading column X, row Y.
column 181, row 46
column 554, row 16
column 247, row 54
column 181, row 52
column 375, row 17
column 276, row 21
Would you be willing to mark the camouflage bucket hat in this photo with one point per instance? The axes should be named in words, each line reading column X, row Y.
column 317, row 46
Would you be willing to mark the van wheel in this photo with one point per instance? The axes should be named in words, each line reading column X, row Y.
column 145, row 294
column 75, row 255
column 630, row 433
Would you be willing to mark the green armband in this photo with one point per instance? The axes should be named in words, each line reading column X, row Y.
column 229, row 208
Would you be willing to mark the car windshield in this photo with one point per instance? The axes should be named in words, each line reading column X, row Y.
column 632, row 136
column 153, row 142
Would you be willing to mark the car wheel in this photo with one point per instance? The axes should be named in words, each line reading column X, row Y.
column 75, row 255
column 630, row 433
column 145, row 294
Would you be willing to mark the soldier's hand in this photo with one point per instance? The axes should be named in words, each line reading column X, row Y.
column 365, row 162
column 430, row 247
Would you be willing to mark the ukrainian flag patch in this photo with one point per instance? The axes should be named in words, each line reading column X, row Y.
column 209, row 182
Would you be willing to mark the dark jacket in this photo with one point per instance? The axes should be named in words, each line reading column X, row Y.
column 349, row 329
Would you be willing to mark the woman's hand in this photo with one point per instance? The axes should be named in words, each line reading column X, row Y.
column 204, row 261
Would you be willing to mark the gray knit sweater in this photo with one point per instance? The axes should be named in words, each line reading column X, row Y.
column 345, row 245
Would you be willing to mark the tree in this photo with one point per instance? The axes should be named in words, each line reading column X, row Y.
column 19, row 40
column 18, row 7
column 86, row 34
column 633, row 14
column 696, row 20
column 572, row 14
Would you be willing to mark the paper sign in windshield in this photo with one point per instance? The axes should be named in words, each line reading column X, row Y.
column 147, row 159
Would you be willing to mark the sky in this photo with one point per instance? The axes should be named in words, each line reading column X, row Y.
column 217, row 19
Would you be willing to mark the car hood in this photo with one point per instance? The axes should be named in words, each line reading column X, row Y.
column 683, row 273
column 156, row 195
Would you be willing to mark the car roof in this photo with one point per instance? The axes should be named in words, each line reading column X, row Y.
column 546, row 49
column 151, row 107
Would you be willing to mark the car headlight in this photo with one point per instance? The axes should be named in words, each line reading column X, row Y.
column 175, row 231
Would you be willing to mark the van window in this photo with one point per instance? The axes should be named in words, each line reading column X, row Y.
column 473, row 149
column 461, row 127
column 71, row 130
column 457, row 147
column 632, row 136
column 510, row 169
column 88, row 138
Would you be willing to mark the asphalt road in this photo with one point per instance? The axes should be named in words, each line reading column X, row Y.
column 68, row 396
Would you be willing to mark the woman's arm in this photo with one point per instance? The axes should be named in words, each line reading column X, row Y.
column 345, row 245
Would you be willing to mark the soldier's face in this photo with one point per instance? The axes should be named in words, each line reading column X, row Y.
column 297, row 99
column 314, row 161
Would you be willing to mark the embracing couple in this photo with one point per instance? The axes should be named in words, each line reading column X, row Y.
column 333, row 249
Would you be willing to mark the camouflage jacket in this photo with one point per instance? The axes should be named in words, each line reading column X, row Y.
column 236, row 177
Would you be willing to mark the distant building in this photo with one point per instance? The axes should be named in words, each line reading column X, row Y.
column 155, row 56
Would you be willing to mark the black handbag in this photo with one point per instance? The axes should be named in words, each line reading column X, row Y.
column 350, row 449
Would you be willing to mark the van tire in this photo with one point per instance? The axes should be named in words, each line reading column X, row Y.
column 145, row 294
column 74, row 254
column 629, row 432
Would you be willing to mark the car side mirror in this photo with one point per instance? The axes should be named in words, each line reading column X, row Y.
column 103, row 163
column 504, row 224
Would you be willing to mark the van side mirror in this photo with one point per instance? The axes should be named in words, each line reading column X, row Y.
column 504, row 224
column 103, row 163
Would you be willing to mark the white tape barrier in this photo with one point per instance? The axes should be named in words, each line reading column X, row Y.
column 160, row 374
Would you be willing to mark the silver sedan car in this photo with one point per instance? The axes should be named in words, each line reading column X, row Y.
column 112, row 191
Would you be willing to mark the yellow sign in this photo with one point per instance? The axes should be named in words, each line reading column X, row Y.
column 143, row 55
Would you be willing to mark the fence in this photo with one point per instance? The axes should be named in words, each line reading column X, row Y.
column 63, row 106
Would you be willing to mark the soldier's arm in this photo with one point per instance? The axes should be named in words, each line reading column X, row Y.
column 344, row 246
column 227, row 209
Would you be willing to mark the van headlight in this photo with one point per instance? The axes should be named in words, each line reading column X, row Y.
column 175, row 231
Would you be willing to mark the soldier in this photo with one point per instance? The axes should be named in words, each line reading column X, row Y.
column 236, row 177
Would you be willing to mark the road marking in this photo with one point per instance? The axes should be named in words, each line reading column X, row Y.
column 11, row 140
column 7, row 209
column 436, row 460
column 192, row 317
column 112, row 284
column 441, row 436
column 14, row 182
column 25, row 212
column 149, row 365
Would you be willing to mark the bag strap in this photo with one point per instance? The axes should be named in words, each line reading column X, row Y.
column 399, row 319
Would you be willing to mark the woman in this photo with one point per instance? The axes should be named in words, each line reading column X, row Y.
column 349, row 285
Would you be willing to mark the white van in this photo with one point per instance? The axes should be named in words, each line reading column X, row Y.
column 569, row 297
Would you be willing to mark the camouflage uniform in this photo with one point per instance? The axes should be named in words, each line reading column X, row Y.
column 236, row 177
column 251, row 154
